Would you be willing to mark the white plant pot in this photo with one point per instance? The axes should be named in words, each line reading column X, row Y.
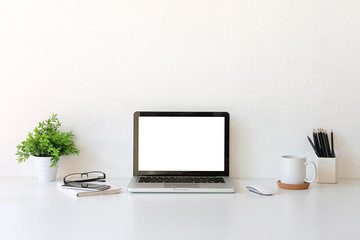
column 44, row 171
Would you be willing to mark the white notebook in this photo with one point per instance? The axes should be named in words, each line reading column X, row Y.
column 82, row 193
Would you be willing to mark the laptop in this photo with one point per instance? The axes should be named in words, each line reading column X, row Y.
column 185, row 152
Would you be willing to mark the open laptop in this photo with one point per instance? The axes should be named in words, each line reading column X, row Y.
column 181, row 152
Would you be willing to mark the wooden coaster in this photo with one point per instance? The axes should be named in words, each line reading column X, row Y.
column 305, row 185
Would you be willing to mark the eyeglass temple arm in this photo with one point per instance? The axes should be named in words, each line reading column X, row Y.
column 99, row 179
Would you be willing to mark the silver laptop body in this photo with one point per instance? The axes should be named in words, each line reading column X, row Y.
column 181, row 152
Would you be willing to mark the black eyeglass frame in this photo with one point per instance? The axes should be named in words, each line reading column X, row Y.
column 97, row 179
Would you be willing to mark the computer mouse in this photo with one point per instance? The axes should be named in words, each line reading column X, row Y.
column 262, row 189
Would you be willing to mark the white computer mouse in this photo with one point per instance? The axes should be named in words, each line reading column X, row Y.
column 261, row 189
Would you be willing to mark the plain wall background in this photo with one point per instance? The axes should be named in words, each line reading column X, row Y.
column 280, row 67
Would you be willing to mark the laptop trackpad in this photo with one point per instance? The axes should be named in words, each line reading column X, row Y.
column 181, row 185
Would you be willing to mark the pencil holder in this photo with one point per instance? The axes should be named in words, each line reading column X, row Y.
column 326, row 170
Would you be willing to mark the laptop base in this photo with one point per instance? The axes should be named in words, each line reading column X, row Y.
column 227, row 187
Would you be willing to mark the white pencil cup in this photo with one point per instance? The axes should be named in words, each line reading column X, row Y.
column 326, row 170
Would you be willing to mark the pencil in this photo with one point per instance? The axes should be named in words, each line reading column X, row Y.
column 312, row 145
column 321, row 141
column 324, row 142
column 316, row 141
column 327, row 145
column 332, row 143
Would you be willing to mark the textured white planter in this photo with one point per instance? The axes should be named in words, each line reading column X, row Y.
column 44, row 171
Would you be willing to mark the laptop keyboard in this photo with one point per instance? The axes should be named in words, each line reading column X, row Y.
column 171, row 179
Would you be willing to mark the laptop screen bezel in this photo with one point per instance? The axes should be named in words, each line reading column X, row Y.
column 139, row 114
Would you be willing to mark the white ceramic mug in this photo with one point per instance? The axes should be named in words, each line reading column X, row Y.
column 293, row 170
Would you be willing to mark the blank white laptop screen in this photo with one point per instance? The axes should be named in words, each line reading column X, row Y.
column 181, row 143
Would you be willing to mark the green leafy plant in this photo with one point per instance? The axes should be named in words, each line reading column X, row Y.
column 47, row 141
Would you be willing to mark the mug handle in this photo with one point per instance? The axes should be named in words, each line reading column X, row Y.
column 314, row 172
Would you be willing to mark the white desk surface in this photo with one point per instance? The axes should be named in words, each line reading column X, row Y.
column 36, row 210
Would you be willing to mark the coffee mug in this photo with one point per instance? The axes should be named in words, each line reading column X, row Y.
column 293, row 170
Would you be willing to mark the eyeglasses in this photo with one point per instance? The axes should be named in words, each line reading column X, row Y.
column 93, row 176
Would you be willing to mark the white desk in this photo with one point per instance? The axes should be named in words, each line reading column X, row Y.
column 33, row 210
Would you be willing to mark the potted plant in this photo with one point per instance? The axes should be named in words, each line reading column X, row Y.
column 45, row 145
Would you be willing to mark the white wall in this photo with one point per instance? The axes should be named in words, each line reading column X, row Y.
column 280, row 67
